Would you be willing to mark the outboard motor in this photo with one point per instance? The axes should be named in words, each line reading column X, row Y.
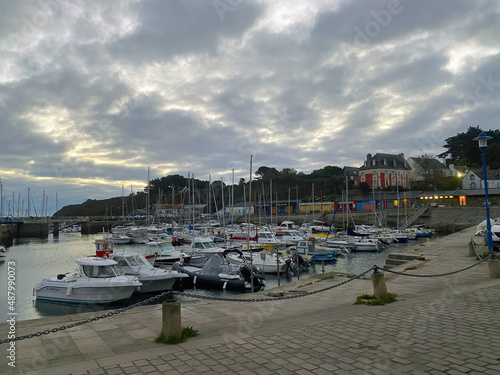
column 245, row 273
column 302, row 261
column 258, row 279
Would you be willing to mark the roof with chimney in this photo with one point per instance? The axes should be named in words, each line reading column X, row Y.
column 385, row 161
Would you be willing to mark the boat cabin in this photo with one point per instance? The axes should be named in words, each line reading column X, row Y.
column 200, row 243
column 305, row 247
column 95, row 267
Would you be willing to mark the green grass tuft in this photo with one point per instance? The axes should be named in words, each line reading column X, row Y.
column 326, row 278
column 369, row 299
column 187, row 332
column 487, row 255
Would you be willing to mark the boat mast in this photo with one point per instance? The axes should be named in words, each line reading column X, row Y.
column 192, row 177
column 132, row 196
column 209, row 197
column 222, row 195
column 271, row 199
column 232, row 200
column 147, row 202
column 248, row 226
column 123, row 204
column 29, row 203
column 312, row 202
column 347, row 206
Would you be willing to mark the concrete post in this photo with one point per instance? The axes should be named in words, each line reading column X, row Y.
column 494, row 268
column 379, row 287
column 472, row 251
column 171, row 320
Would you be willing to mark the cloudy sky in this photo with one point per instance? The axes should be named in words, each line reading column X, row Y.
column 93, row 93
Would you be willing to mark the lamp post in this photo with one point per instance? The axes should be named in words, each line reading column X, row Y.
column 483, row 143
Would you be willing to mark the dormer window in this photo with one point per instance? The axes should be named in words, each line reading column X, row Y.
column 385, row 161
column 373, row 162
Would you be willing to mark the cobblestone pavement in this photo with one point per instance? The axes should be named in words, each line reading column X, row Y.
column 438, row 326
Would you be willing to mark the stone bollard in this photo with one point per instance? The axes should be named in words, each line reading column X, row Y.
column 494, row 268
column 472, row 251
column 378, row 282
column 171, row 320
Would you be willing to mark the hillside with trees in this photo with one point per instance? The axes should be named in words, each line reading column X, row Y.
column 324, row 184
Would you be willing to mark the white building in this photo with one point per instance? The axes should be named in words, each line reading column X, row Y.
column 474, row 179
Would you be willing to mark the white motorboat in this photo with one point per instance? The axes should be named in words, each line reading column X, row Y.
column 263, row 260
column 152, row 279
column 289, row 236
column 119, row 238
column 2, row 254
column 268, row 238
column 205, row 246
column 166, row 253
column 97, row 281
column 355, row 244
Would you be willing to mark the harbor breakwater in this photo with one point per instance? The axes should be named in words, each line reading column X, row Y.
column 7, row 234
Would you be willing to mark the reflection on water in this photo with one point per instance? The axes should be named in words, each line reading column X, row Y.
column 36, row 259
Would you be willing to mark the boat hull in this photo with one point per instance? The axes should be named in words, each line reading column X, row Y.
column 154, row 286
column 197, row 280
column 64, row 292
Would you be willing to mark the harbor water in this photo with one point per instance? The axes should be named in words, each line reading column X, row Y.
column 33, row 260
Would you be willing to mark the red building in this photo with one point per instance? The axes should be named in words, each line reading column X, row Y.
column 385, row 170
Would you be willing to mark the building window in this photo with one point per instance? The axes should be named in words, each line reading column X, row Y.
column 473, row 185
column 472, row 177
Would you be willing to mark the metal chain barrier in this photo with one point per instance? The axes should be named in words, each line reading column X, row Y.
column 184, row 294
column 436, row 275
column 275, row 298
column 480, row 244
column 111, row 313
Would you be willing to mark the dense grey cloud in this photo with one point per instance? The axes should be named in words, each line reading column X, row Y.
column 93, row 93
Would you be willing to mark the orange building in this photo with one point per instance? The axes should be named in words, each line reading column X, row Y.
column 385, row 170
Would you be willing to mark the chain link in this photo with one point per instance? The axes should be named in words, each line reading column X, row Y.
column 212, row 298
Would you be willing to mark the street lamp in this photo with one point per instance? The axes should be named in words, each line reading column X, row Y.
column 483, row 143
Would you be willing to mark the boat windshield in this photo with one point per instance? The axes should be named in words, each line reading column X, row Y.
column 101, row 271
column 141, row 261
column 204, row 245
column 165, row 246
column 132, row 261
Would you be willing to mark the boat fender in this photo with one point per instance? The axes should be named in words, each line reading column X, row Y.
column 224, row 286
column 69, row 290
column 194, row 280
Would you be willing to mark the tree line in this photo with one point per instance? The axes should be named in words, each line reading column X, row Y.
column 324, row 184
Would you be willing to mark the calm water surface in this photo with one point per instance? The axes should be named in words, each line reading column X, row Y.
column 36, row 259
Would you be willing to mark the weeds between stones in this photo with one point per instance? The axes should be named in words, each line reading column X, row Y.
column 369, row 299
column 187, row 332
